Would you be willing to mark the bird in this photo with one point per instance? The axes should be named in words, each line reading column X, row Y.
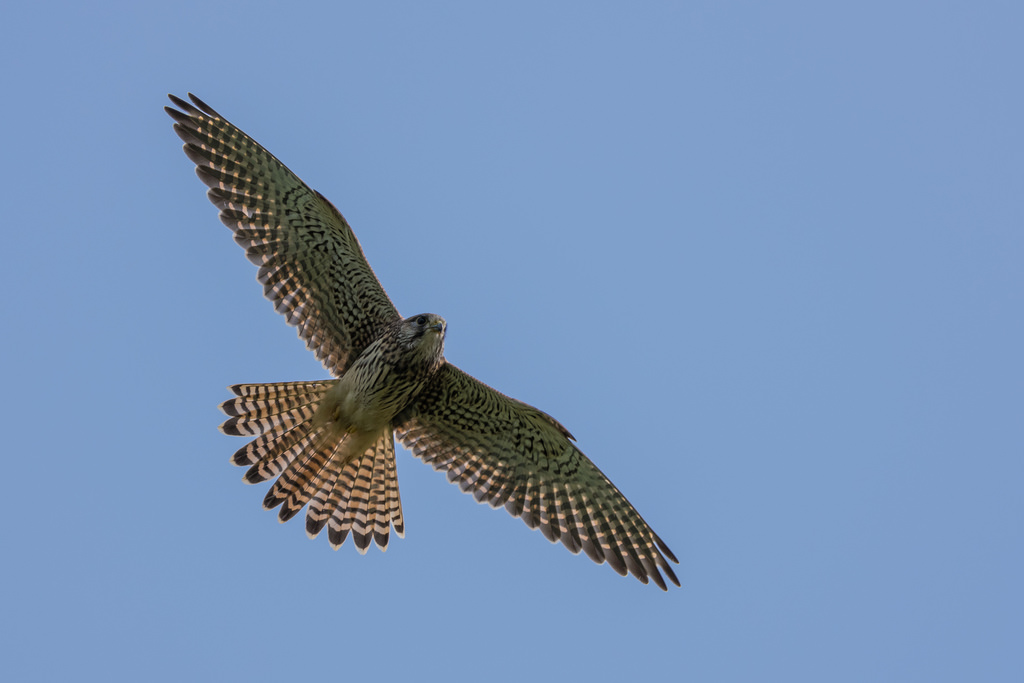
column 330, row 443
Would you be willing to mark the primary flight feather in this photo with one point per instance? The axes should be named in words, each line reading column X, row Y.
column 330, row 443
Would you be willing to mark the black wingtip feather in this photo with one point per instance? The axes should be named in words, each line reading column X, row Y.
column 178, row 116
column 209, row 178
column 182, row 104
column 671, row 574
column 593, row 551
column 197, row 155
column 664, row 549
column 219, row 197
column 206, row 109
column 186, row 135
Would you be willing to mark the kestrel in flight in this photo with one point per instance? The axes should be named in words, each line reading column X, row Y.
column 330, row 443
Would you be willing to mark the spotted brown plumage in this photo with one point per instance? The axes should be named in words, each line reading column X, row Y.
column 330, row 443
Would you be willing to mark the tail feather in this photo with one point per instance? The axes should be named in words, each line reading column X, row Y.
column 379, row 521
column 282, row 452
column 302, row 478
column 357, row 495
column 272, row 390
column 393, row 499
column 261, row 408
column 320, row 506
column 268, row 445
column 365, row 502
column 337, row 503
column 360, row 513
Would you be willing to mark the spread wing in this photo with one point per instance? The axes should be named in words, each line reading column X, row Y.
column 509, row 453
column 310, row 263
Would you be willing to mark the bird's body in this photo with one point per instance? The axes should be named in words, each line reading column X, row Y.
column 386, row 377
column 330, row 443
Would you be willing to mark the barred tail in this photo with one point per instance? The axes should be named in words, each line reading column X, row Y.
column 346, row 491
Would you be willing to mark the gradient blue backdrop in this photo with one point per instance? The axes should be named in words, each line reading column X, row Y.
column 763, row 259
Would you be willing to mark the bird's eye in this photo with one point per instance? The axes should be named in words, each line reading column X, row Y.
column 422, row 320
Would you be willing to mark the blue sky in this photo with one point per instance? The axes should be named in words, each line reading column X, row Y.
column 762, row 259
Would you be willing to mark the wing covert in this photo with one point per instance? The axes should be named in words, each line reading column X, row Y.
column 508, row 453
column 310, row 264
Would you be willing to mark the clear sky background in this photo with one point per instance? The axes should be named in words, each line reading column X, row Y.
column 763, row 259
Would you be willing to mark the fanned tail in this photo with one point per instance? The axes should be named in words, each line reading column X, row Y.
column 346, row 491
column 361, row 497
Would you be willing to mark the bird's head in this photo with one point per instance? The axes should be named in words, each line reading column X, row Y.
column 425, row 333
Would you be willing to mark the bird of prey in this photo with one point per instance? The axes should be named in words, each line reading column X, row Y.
column 330, row 443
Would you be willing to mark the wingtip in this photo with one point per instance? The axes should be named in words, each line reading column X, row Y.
column 178, row 102
column 178, row 116
column 206, row 109
column 664, row 549
column 193, row 108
